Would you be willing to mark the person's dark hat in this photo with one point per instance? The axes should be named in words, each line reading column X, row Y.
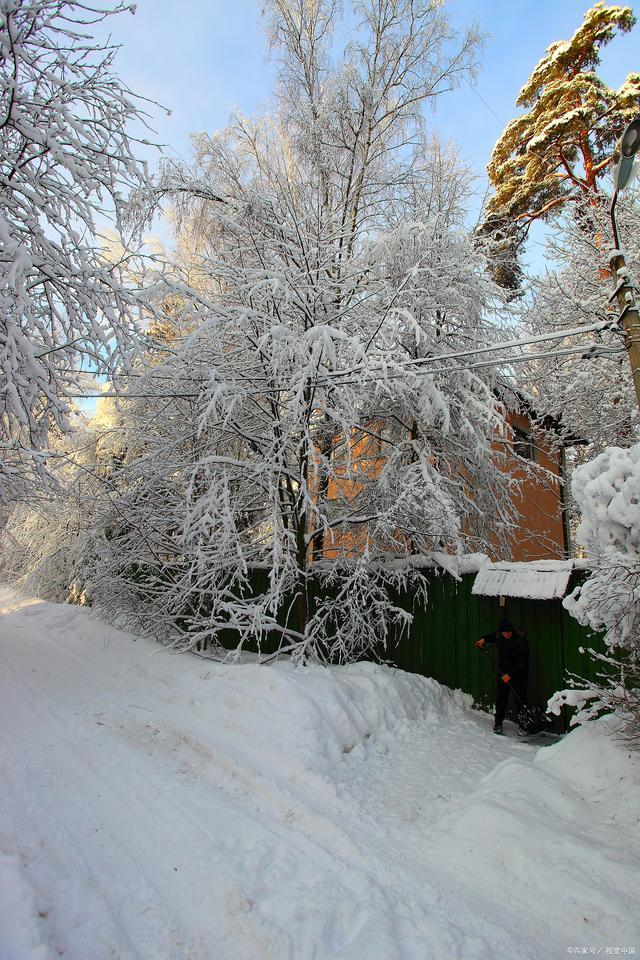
column 506, row 626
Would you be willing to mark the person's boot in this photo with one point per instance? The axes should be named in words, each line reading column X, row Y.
column 497, row 727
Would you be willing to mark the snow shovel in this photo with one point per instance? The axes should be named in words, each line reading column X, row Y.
column 530, row 719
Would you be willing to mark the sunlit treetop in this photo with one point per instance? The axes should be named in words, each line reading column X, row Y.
column 559, row 148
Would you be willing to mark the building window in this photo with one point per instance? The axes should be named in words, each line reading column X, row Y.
column 523, row 445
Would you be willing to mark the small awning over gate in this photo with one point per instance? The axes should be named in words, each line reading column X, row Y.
column 541, row 580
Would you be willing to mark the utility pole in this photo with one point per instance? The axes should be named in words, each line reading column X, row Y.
column 629, row 318
column 623, row 291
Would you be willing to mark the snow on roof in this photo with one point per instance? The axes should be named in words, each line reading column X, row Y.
column 455, row 565
column 539, row 580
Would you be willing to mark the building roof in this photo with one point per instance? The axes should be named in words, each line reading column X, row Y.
column 537, row 580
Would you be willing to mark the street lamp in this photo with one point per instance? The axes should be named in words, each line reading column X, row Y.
column 624, row 172
column 625, row 169
column 629, row 146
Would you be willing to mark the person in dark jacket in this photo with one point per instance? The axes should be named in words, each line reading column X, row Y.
column 513, row 667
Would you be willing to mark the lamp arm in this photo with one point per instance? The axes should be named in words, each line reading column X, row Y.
column 614, row 224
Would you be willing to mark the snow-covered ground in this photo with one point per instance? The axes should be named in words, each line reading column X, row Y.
column 164, row 807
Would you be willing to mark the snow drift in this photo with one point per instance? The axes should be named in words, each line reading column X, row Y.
column 155, row 805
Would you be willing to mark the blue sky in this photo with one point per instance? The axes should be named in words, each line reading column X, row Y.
column 204, row 58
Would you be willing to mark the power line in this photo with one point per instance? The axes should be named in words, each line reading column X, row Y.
column 487, row 105
column 592, row 349
column 596, row 327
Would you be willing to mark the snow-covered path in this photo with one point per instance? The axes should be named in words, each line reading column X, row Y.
column 160, row 807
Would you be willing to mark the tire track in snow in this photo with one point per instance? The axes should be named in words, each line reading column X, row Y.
column 145, row 799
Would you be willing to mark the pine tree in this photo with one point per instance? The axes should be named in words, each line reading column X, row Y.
column 557, row 152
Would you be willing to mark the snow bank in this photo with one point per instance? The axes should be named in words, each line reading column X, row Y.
column 322, row 713
column 157, row 805
column 168, row 806
column 538, row 838
column 311, row 716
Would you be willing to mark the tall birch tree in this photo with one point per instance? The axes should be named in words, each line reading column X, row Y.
column 333, row 445
column 309, row 431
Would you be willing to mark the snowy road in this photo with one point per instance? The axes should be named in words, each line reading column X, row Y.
column 163, row 807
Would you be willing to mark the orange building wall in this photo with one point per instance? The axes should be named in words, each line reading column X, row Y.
column 539, row 502
column 368, row 461
column 541, row 532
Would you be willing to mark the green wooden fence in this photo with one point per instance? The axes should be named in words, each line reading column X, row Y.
column 441, row 640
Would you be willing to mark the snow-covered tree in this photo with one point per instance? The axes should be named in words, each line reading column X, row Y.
column 66, row 158
column 146, row 451
column 557, row 151
column 44, row 538
column 321, row 433
column 304, row 427
column 591, row 392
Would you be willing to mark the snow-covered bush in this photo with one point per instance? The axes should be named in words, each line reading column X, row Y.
column 44, row 541
column 607, row 490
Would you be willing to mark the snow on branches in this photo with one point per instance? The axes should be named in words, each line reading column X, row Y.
column 572, row 295
column 66, row 156
column 324, row 435
column 299, row 439
column 300, row 429
column 607, row 490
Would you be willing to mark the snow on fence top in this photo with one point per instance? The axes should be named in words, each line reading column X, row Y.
column 538, row 580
